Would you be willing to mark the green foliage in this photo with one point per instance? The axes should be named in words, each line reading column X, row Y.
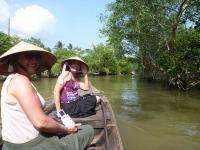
column 70, row 46
column 6, row 42
column 144, row 28
column 59, row 45
column 35, row 41
column 103, row 60
column 126, row 66
column 61, row 54
column 186, row 72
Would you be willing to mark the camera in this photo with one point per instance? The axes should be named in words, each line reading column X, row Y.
column 61, row 113
column 65, row 118
column 67, row 67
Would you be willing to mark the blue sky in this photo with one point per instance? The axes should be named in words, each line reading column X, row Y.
column 70, row 21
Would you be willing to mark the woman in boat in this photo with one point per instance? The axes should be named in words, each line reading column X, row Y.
column 24, row 123
column 66, row 89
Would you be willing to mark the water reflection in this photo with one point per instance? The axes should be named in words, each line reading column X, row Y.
column 46, row 87
column 150, row 116
column 129, row 97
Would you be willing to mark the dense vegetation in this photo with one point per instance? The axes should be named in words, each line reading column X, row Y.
column 163, row 35
column 158, row 39
column 101, row 58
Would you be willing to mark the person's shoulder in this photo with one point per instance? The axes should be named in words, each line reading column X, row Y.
column 19, row 83
column 20, row 79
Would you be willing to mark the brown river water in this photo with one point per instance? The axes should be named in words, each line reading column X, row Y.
column 150, row 116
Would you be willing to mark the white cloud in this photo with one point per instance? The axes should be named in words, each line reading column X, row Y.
column 32, row 20
column 4, row 11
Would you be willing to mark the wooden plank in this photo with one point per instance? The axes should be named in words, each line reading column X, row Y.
column 97, row 138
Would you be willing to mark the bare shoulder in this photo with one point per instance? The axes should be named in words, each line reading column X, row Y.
column 20, row 80
column 19, row 83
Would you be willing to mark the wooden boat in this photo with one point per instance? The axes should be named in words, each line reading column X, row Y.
column 107, row 135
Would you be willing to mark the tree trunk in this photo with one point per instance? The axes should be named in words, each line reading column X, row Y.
column 49, row 73
column 172, row 41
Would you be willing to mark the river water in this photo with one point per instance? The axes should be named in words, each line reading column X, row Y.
column 149, row 115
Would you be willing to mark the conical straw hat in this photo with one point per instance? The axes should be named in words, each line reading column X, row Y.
column 46, row 62
column 75, row 59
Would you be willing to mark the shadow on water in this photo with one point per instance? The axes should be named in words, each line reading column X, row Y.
column 150, row 116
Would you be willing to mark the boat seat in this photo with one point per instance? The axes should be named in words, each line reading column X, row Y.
column 97, row 120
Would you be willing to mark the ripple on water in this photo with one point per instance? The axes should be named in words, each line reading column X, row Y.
column 188, row 129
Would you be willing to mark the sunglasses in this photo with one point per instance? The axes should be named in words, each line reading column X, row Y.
column 32, row 55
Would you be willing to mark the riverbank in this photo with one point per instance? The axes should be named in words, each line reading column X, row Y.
column 146, row 77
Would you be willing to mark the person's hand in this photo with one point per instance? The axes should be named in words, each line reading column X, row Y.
column 83, row 69
column 73, row 128
column 78, row 125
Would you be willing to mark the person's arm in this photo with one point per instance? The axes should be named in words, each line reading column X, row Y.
column 30, row 103
column 84, row 85
column 62, row 79
column 57, row 89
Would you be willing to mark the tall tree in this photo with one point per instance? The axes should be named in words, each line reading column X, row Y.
column 172, row 42
column 6, row 42
column 36, row 42
column 59, row 45
column 148, row 29
column 136, row 21
column 70, row 46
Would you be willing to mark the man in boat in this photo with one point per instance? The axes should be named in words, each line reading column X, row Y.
column 66, row 89
column 24, row 123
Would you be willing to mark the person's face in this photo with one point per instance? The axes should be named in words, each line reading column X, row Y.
column 30, row 61
column 75, row 66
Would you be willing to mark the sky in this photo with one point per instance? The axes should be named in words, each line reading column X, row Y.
column 69, row 21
